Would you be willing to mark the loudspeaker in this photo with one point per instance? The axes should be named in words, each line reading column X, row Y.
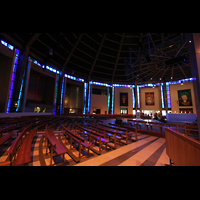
column 50, row 51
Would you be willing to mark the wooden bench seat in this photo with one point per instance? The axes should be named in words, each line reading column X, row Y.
column 7, row 137
column 95, row 136
column 130, row 135
column 172, row 126
column 82, row 143
column 24, row 153
column 13, row 148
column 158, row 125
column 110, row 134
column 6, row 163
column 102, row 131
column 6, row 129
column 54, row 144
column 193, row 129
column 121, row 132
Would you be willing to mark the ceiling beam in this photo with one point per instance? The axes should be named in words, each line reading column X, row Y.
column 97, row 55
column 182, row 71
column 119, row 51
column 71, row 52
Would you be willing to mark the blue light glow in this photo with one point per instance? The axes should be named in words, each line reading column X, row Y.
column 162, row 95
column 74, row 78
column 138, row 96
column 43, row 66
column 108, row 100
column 168, row 95
column 133, row 95
column 113, row 99
column 56, row 94
column 4, row 43
column 89, row 94
column 120, row 85
column 98, row 83
column 183, row 80
column 12, row 79
column 8, row 45
column 62, row 95
column 85, row 96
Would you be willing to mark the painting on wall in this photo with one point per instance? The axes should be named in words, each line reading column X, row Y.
column 184, row 97
column 123, row 99
column 149, row 99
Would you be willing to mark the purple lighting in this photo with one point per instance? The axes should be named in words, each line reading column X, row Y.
column 12, row 79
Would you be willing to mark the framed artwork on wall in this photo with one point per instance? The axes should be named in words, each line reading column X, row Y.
column 184, row 97
column 149, row 99
column 123, row 99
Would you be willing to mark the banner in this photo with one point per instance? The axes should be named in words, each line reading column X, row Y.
column 123, row 99
column 149, row 99
column 184, row 97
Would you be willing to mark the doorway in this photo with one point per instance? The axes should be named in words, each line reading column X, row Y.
column 97, row 111
column 124, row 111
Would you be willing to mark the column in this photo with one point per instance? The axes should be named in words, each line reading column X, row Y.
column 194, row 52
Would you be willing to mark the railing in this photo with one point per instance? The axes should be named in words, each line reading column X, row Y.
column 181, row 149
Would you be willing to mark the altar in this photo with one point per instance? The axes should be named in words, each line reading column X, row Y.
column 181, row 117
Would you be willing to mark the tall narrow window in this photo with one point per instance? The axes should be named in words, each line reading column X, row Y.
column 162, row 95
column 12, row 79
column 168, row 95
column 113, row 99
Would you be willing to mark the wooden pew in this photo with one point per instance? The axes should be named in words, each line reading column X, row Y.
column 122, row 132
column 110, row 134
column 95, row 136
column 54, row 144
column 156, row 125
column 13, row 148
column 172, row 126
column 6, row 163
column 128, row 128
column 7, row 137
column 6, row 129
column 181, row 149
column 24, row 153
column 82, row 143
column 193, row 129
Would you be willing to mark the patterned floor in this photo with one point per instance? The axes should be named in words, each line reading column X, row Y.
column 147, row 151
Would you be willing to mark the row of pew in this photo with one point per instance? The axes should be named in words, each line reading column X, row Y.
column 85, row 136
column 81, row 135
column 22, row 131
column 158, row 127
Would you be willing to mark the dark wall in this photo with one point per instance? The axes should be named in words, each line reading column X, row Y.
column 74, row 97
column 5, row 70
column 45, row 92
